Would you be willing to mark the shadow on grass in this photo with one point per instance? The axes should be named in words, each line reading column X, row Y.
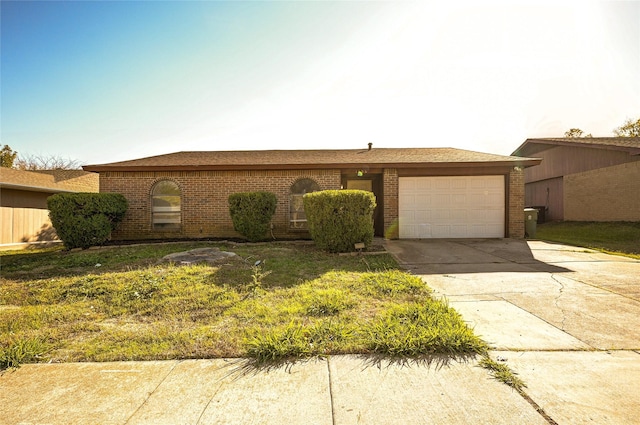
column 289, row 263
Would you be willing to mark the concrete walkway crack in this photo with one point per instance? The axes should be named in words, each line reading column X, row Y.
column 557, row 299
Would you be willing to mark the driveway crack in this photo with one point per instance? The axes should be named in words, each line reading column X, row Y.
column 557, row 300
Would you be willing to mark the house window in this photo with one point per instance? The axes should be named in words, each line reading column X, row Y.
column 297, row 217
column 165, row 206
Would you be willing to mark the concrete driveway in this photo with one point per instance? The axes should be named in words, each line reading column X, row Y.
column 566, row 319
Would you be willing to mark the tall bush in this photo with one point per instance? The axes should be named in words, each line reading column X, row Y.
column 338, row 219
column 251, row 213
column 83, row 220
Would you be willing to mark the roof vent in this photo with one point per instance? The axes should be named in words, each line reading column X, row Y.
column 370, row 145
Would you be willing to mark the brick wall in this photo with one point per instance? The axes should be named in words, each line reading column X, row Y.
column 605, row 194
column 390, row 193
column 205, row 208
column 515, row 213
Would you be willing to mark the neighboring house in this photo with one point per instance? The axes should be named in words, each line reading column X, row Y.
column 420, row 193
column 24, row 217
column 584, row 179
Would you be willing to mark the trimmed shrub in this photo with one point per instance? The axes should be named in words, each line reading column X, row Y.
column 338, row 219
column 251, row 213
column 83, row 220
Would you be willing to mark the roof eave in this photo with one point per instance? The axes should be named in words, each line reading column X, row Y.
column 522, row 149
column 35, row 188
column 526, row 162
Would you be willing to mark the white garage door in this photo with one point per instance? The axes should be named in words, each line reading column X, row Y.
column 451, row 207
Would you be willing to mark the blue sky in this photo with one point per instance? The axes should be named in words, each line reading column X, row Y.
column 116, row 80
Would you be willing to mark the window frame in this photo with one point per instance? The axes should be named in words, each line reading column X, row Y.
column 166, row 218
column 297, row 218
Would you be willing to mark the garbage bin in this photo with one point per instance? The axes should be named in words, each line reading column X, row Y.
column 542, row 212
column 530, row 222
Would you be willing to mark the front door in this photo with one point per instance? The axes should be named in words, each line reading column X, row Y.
column 371, row 185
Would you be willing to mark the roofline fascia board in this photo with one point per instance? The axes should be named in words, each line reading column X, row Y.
column 247, row 167
column 631, row 150
column 35, row 188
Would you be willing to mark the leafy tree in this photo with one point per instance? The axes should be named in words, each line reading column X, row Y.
column 7, row 157
column 575, row 133
column 630, row 128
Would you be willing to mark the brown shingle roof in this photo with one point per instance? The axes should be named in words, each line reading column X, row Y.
column 50, row 181
column 627, row 144
column 296, row 159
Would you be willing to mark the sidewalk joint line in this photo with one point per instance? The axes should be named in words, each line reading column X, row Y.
column 209, row 402
column 153, row 392
column 537, row 407
column 333, row 413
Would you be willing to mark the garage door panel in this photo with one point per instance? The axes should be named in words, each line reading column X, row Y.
column 451, row 207
column 459, row 215
column 422, row 230
column 441, row 231
column 459, row 199
column 423, row 216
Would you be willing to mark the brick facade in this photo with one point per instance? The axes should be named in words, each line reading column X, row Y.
column 605, row 194
column 204, row 200
column 390, row 190
column 515, row 204
column 205, row 208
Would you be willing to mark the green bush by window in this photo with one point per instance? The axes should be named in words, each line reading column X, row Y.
column 338, row 219
column 251, row 213
column 83, row 220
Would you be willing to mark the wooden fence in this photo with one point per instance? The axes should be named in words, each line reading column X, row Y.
column 21, row 225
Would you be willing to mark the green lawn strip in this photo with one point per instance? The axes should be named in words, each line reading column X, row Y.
column 299, row 303
column 622, row 238
column 502, row 373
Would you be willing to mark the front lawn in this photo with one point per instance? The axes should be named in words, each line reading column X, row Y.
column 119, row 303
column 613, row 237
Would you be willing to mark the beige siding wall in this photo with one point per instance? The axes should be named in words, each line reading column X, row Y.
column 560, row 161
column 23, row 198
column 205, row 207
column 606, row 194
column 25, row 225
column 546, row 193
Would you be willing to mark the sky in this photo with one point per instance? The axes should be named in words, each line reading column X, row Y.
column 106, row 81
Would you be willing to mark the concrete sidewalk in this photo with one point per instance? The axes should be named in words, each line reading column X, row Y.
column 567, row 320
column 337, row 390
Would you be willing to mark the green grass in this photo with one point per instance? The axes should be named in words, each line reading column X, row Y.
column 613, row 237
column 502, row 373
column 119, row 303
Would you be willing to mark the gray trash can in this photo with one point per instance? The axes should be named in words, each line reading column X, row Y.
column 530, row 222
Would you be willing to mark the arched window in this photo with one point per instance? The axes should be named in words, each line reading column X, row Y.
column 165, row 206
column 297, row 217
